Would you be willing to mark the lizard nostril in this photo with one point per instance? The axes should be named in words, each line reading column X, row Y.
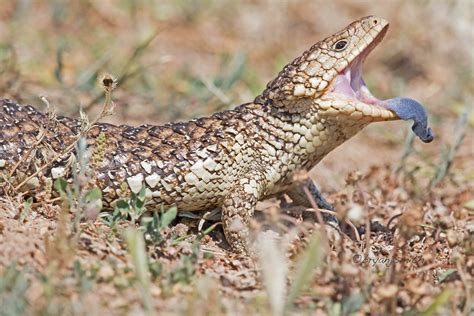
column 376, row 21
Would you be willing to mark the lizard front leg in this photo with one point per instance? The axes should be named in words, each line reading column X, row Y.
column 237, row 209
column 298, row 195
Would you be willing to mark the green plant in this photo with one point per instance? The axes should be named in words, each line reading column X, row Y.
column 25, row 212
column 85, row 278
column 75, row 196
column 153, row 225
column 185, row 271
column 137, row 249
column 13, row 286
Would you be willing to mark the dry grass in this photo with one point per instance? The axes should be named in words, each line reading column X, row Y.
column 180, row 59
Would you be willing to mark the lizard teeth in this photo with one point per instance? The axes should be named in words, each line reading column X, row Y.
column 366, row 110
column 376, row 112
column 356, row 115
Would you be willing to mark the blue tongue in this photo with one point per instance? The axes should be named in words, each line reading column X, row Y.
column 409, row 109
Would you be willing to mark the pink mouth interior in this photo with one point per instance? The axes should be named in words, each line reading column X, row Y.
column 350, row 82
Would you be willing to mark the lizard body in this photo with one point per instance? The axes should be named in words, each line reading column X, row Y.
column 231, row 159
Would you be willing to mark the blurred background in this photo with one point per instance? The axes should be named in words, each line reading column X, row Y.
column 175, row 60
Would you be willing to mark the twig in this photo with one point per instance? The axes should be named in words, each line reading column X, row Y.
column 407, row 150
column 41, row 135
column 424, row 268
column 367, row 233
column 426, row 226
column 212, row 251
column 392, row 218
column 215, row 90
column 324, row 236
column 107, row 109
column 125, row 73
column 392, row 272
column 354, row 228
column 467, row 287
column 448, row 156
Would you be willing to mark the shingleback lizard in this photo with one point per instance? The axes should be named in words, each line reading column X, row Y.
column 231, row 159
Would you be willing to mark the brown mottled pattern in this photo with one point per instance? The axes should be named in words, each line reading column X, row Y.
column 230, row 160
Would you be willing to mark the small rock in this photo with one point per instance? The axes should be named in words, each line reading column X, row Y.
column 388, row 291
column 452, row 238
column 105, row 272
column 356, row 214
column 349, row 270
column 470, row 227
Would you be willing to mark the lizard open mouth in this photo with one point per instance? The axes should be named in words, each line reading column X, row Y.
column 349, row 82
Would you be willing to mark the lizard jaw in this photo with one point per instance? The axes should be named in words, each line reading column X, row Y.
column 349, row 82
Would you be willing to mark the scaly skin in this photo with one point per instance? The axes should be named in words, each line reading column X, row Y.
column 230, row 159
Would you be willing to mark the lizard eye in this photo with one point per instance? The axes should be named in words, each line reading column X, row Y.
column 340, row 45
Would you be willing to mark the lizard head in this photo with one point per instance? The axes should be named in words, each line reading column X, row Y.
column 329, row 75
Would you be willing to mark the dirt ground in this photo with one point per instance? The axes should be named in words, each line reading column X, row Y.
column 175, row 60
